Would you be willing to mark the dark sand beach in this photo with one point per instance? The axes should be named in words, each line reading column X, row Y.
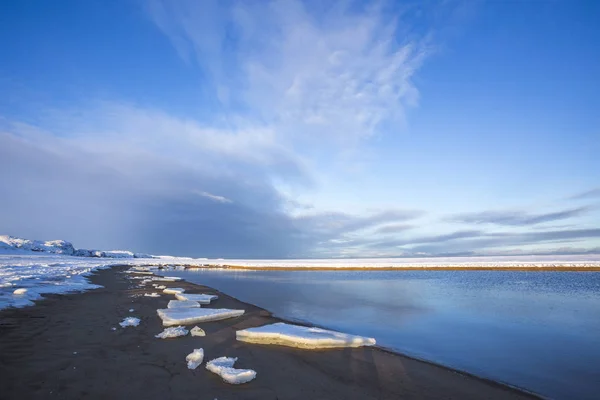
column 64, row 347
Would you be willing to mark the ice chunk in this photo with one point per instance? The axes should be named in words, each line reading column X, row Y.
column 187, row 316
column 154, row 294
column 301, row 336
column 200, row 298
column 172, row 332
column 183, row 304
column 130, row 321
column 131, row 310
column 166, row 278
column 196, row 331
column 160, row 287
column 173, row 290
column 223, row 366
column 20, row 291
column 195, row 358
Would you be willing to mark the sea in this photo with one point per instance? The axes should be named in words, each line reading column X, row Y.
column 536, row 330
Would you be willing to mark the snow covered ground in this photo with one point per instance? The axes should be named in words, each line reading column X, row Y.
column 587, row 260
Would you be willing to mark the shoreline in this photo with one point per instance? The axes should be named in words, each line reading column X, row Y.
column 425, row 268
column 42, row 348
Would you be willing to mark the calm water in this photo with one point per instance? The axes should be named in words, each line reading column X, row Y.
column 535, row 330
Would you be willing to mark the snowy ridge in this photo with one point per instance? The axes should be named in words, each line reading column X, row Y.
column 15, row 245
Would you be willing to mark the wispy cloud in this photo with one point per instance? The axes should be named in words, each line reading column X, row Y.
column 333, row 75
column 517, row 218
column 589, row 194
column 393, row 228
column 214, row 197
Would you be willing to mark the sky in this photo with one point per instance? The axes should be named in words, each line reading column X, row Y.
column 302, row 129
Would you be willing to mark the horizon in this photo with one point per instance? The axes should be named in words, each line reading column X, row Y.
column 295, row 130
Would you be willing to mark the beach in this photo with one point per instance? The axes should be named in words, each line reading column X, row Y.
column 65, row 347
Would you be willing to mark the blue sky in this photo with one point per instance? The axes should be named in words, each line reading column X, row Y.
column 277, row 129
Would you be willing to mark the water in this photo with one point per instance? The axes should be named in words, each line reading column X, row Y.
column 535, row 330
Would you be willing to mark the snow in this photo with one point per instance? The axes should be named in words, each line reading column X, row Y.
column 172, row 332
column 20, row 291
column 154, row 294
column 183, row 304
column 197, row 331
column 160, row 287
column 131, row 310
column 187, row 316
column 173, row 290
column 130, row 321
column 194, row 359
column 200, row 298
column 223, row 366
column 301, row 336
column 43, row 273
column 527, row 261
column 165, row 279
column 11, row 243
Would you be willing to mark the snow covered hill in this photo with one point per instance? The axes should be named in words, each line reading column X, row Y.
column 14, row 245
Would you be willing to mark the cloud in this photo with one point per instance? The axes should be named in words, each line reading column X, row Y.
column 484, row 241
column 393, row 228
column 330, row 76
column 106, row 198
column 590, row 194
column 333, row 224
column 213, row 197
column 516, row 218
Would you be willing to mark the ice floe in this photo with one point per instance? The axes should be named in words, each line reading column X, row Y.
column 187, row 316
column 195, row 358
column 173, row 290
column 197, row 331
column 223, row 366
column 301, row 336
column 200, row 298
column 153, row 294
column 183, row 304
column 172, row 332
column 130, row 321
column 166, row 278
column 20, row 291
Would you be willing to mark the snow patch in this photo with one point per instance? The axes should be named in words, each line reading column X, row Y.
column 153, row 294
column 130, row 321
column 173, row 290
column 194, row 359
column 301, row 336
column 20, row 291
column 223, row 366
column 187, row 316
column 183, row 304
column 172, row 332
column 197, row 331
column 200, row 298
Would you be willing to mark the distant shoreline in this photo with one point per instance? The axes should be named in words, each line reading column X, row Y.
column 583, row 268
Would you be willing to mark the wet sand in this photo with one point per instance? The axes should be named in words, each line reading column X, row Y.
column 63, row 347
